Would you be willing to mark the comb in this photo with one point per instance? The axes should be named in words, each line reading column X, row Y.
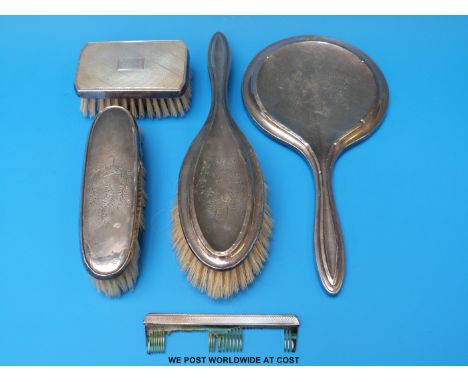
column 224, row 330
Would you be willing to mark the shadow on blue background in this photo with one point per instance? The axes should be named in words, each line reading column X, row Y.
column 401, row 197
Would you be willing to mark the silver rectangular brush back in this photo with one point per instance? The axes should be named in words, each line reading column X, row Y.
column 138, row 69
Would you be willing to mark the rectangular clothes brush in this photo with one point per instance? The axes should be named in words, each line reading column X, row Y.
column 148, row 78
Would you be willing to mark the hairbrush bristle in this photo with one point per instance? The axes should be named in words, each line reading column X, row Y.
column 126, row 280
column 141, row 108
column 221, row 284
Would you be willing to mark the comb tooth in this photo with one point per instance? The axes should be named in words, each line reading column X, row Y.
column 106, row 102
column 180, row 108
column 241, row 333
column 164, row 110
column 149, row 108
column 172, row 107
column 214, row 344
column 92, row 107
column 211, row 342
column 241, row 338
column 287, row 340
column 133, row 109
column 115, row 101
column 148, row 343
column 151, row 342
column 156, row 108
column 294, row 339
column 234, row 340
column 155, row 341
column 141, row 109
column 84, row 106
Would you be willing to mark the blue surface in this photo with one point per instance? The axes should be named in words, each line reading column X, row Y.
column 401, row 197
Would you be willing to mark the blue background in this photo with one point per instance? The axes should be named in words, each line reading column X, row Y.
column 401, row 197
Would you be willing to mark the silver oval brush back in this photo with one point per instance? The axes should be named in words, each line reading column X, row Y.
column 221, row 195
column 112, row 201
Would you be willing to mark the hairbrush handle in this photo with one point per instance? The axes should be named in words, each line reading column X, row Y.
column 219, row 64
column 328, row 240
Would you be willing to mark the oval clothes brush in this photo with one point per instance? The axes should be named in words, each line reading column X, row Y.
column 317, row 95
column 112, row 202
column 221, row 225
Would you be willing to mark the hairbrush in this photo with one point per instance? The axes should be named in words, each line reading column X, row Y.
column 221, row 223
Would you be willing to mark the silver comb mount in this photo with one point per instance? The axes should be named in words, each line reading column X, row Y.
column 151, row 79
column 224, row 330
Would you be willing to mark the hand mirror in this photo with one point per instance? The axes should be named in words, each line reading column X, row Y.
column 317, row 95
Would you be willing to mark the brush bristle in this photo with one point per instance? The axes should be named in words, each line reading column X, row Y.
column 141, row 107
column 126, row 280
column 121, row 284
column 221, row 284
